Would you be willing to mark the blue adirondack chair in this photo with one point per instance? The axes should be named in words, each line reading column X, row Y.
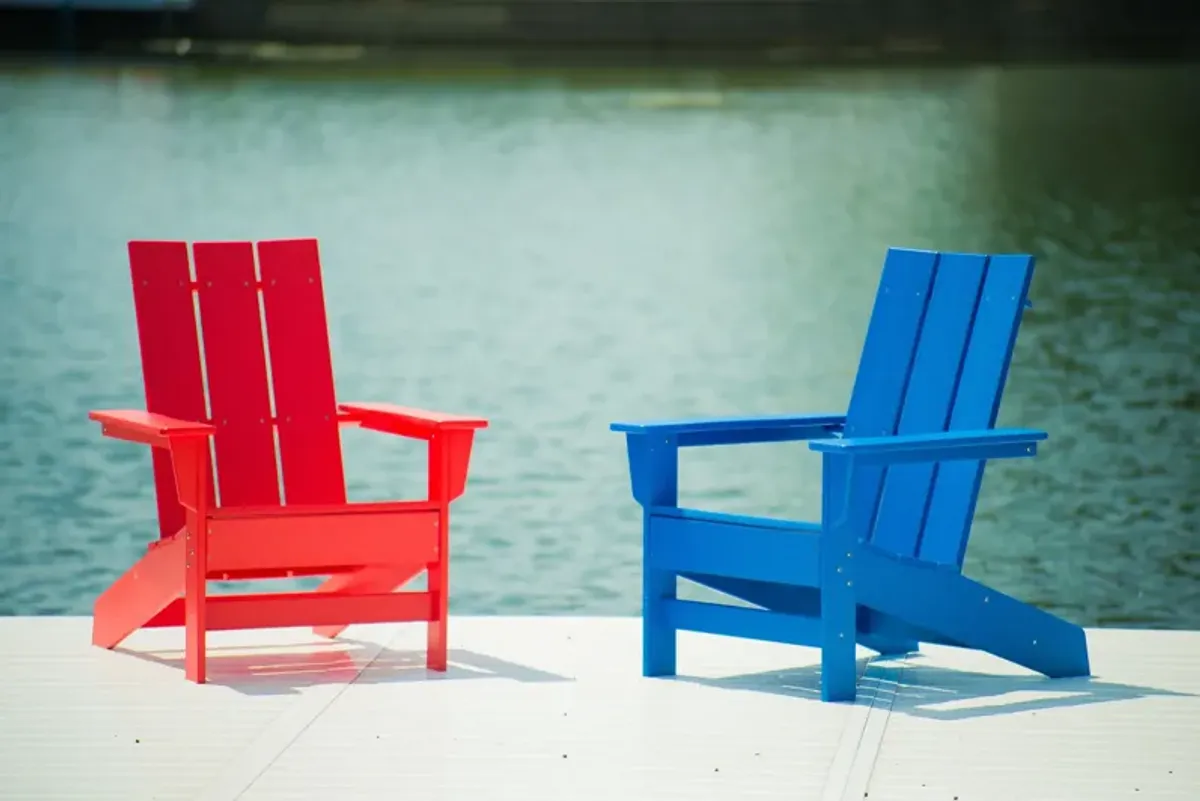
column 901, row 474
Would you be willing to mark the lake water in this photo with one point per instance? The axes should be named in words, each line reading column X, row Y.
column 556, row 250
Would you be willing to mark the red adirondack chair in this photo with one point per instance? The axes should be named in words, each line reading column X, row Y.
column 248, row 528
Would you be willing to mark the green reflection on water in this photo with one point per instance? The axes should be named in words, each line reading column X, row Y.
column 556, row 249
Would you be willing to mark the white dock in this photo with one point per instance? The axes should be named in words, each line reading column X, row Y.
column 555, row 709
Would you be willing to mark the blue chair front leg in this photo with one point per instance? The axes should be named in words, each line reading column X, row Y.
column 839, row 672
column 658, row 635
column 654, row 474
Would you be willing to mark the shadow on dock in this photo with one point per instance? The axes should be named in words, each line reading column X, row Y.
column 908, row 687
column 253, row 671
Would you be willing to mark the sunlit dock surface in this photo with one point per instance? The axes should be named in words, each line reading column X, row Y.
column 556, row 709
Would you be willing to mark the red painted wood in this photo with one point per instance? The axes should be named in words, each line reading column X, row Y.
column 407, row 421
column 260, row 573
column 274, row 610
column 195, row 611
column 171, row 616
column 339, row 510
column 302, row 372
column 457, row 452
column 440, row 483
column 190, row 456
column 367, row 581
column 268, row 610
column 170, row 349
column 237, row 373
column 148, row 429
column 300, row 541
column 142, row 592
column 368, row 549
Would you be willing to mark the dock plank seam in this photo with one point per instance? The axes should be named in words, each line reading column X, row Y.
column 862, row 738
column 278, row 736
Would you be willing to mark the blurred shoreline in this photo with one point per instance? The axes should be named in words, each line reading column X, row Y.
column 757, row 31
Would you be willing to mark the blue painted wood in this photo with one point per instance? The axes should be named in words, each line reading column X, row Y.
column 753, row 624
column 691, row 439
column 901, row 476
column 976, row 405
column 886, row 363
column 944, row 446
column 930, row 396
column 891, row 636
column 973, row 614
column 839, row 673
column 736, row 520
column 889, row 645
column 786, row 555
column 875, row 630
column 771, row 595
column 654, row 471
column 738, row 430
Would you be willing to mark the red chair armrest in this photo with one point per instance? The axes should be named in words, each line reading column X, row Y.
column 149, row 429
column 405, row 421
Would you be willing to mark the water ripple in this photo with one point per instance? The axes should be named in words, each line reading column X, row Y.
column 556, row 256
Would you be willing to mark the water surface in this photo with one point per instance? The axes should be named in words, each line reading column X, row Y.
column 558, row 250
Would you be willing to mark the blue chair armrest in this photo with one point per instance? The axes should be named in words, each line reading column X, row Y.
column 949, row 446
column 737, row 430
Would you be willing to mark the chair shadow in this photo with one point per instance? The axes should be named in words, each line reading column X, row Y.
column 257, row 671
column 937, row 693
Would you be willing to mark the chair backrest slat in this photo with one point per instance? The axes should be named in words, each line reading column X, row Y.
column 302, row 372
column 886, row 363
column 933, row 363
column 228, row 382
column 930, row 397
column 236, row 371
column 170, row 350
column 976, row 404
